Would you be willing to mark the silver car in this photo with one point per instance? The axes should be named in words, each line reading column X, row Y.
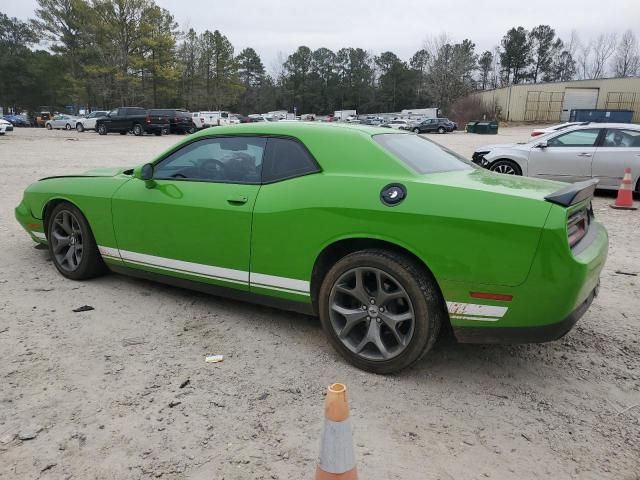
column 61, row 121
column 581, row 152
column 89, row 121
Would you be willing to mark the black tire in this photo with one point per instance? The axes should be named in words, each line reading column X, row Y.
column 137, row 130
column 49, row 127
column 442, row 130
column 67, row 127
column 158, row 133
column 415, row 130
column 122, row 132
column 419, row 287
column 102, row 129
column 191, row 129
column 80, row 127
column 91, row 263
column 506, row 167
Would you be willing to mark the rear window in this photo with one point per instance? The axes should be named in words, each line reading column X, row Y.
column 420, row 154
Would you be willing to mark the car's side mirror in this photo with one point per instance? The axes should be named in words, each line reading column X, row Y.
column 145, row 173
column 542, row 145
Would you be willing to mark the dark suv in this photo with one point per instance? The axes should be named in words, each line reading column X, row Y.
column 132, row 119
column 179, row 120
column 440, row 125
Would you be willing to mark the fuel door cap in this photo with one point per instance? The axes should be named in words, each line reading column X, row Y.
column 393, row 194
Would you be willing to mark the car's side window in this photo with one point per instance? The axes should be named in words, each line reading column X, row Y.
column 621, row 138
column 222, row 159
column 286, row 158
column 577, row 138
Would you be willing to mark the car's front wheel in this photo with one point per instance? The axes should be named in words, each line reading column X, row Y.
column 80, row 127
column 67, row 127
column 137, row 130
column 416, row 130
column 381, row 310
column 102, row 129
column 506, row 167
column 49, row 127
column 71, row 243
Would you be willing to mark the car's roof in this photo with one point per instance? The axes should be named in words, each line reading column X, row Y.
column 607, row 125
column 295, row 128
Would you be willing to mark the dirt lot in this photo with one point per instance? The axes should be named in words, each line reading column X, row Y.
column 123, row 391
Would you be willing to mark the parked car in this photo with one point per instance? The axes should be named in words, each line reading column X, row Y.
column 213, row 119
column 554, row 128
column 42, row 118
column 573, row 154
column 59, row 122
column 132, row 119
column 5, row 126
column 396, row 124
column 18, row 120
column 378, row 246
column 440, row 125
column 180, row 121
column 88, row 122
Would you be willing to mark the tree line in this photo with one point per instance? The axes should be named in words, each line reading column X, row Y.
column 106, row 53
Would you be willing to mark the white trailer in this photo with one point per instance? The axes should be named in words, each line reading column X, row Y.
column 423, row 112
column 343, row 115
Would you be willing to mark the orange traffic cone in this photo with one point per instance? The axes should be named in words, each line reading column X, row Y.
column 624, row 201
column 337, row 460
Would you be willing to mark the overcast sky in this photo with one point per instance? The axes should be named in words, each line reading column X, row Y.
column 273, row 26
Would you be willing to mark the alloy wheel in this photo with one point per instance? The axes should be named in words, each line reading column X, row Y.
column 371, row 313
column 66, row 239
column 505, row 168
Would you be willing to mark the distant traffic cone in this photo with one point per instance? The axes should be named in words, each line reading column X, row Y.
column 624, row 201
column 337, row 461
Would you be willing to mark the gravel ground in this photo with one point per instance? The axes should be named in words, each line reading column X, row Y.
column 123, row 391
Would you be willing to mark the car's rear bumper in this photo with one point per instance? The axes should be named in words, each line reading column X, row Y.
column 513, row 335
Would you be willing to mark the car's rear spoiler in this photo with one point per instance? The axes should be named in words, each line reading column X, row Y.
column 573, row 193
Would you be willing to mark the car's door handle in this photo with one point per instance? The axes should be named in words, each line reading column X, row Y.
column 584, row 154
column 237, row 199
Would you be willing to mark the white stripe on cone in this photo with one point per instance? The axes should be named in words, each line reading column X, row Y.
column 336, row 451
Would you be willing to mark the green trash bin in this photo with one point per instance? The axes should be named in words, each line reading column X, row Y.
column 471, row 126
column 482, row 128
column 493, row 128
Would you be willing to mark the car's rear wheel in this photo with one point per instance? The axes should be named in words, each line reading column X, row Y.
column 80, row 127
column 442, row 130
column 102, row 129
column 137, row 130
column 71, row 243
column 67, row 127
column 506, row 167
column 380, row 310
column 191, row 129
column 416, row 130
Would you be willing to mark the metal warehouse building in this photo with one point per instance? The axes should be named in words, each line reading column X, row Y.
column 553, row 102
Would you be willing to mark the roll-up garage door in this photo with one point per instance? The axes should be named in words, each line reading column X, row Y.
column 577, row 98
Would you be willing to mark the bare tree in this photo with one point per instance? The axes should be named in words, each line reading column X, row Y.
column 603, row 48
column 626, row 62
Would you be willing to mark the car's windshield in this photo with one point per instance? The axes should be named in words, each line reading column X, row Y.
column 422, row 155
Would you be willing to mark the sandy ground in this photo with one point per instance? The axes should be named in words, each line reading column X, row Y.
column 123, row 391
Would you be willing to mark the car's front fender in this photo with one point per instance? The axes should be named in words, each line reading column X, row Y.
column 521, row 158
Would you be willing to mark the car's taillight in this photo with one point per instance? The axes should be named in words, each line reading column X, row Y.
column 535, row 134
column 577, row 226
column 147, row 119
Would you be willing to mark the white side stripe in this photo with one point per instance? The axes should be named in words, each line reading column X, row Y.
column 477, row 319
column 475, row 309
column 271, row 282
column 287, row 283
column 187, row 267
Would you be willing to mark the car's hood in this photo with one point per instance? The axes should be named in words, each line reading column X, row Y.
column 486, row 181
column 501, row 146
column 96, row 172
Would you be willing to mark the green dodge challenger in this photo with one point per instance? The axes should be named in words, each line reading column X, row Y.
column 384, row 235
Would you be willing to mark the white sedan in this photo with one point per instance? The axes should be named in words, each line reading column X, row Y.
column 89, row 122
column 396, row 124
column 5, row 127
column 61, row 121
column 576, row 153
